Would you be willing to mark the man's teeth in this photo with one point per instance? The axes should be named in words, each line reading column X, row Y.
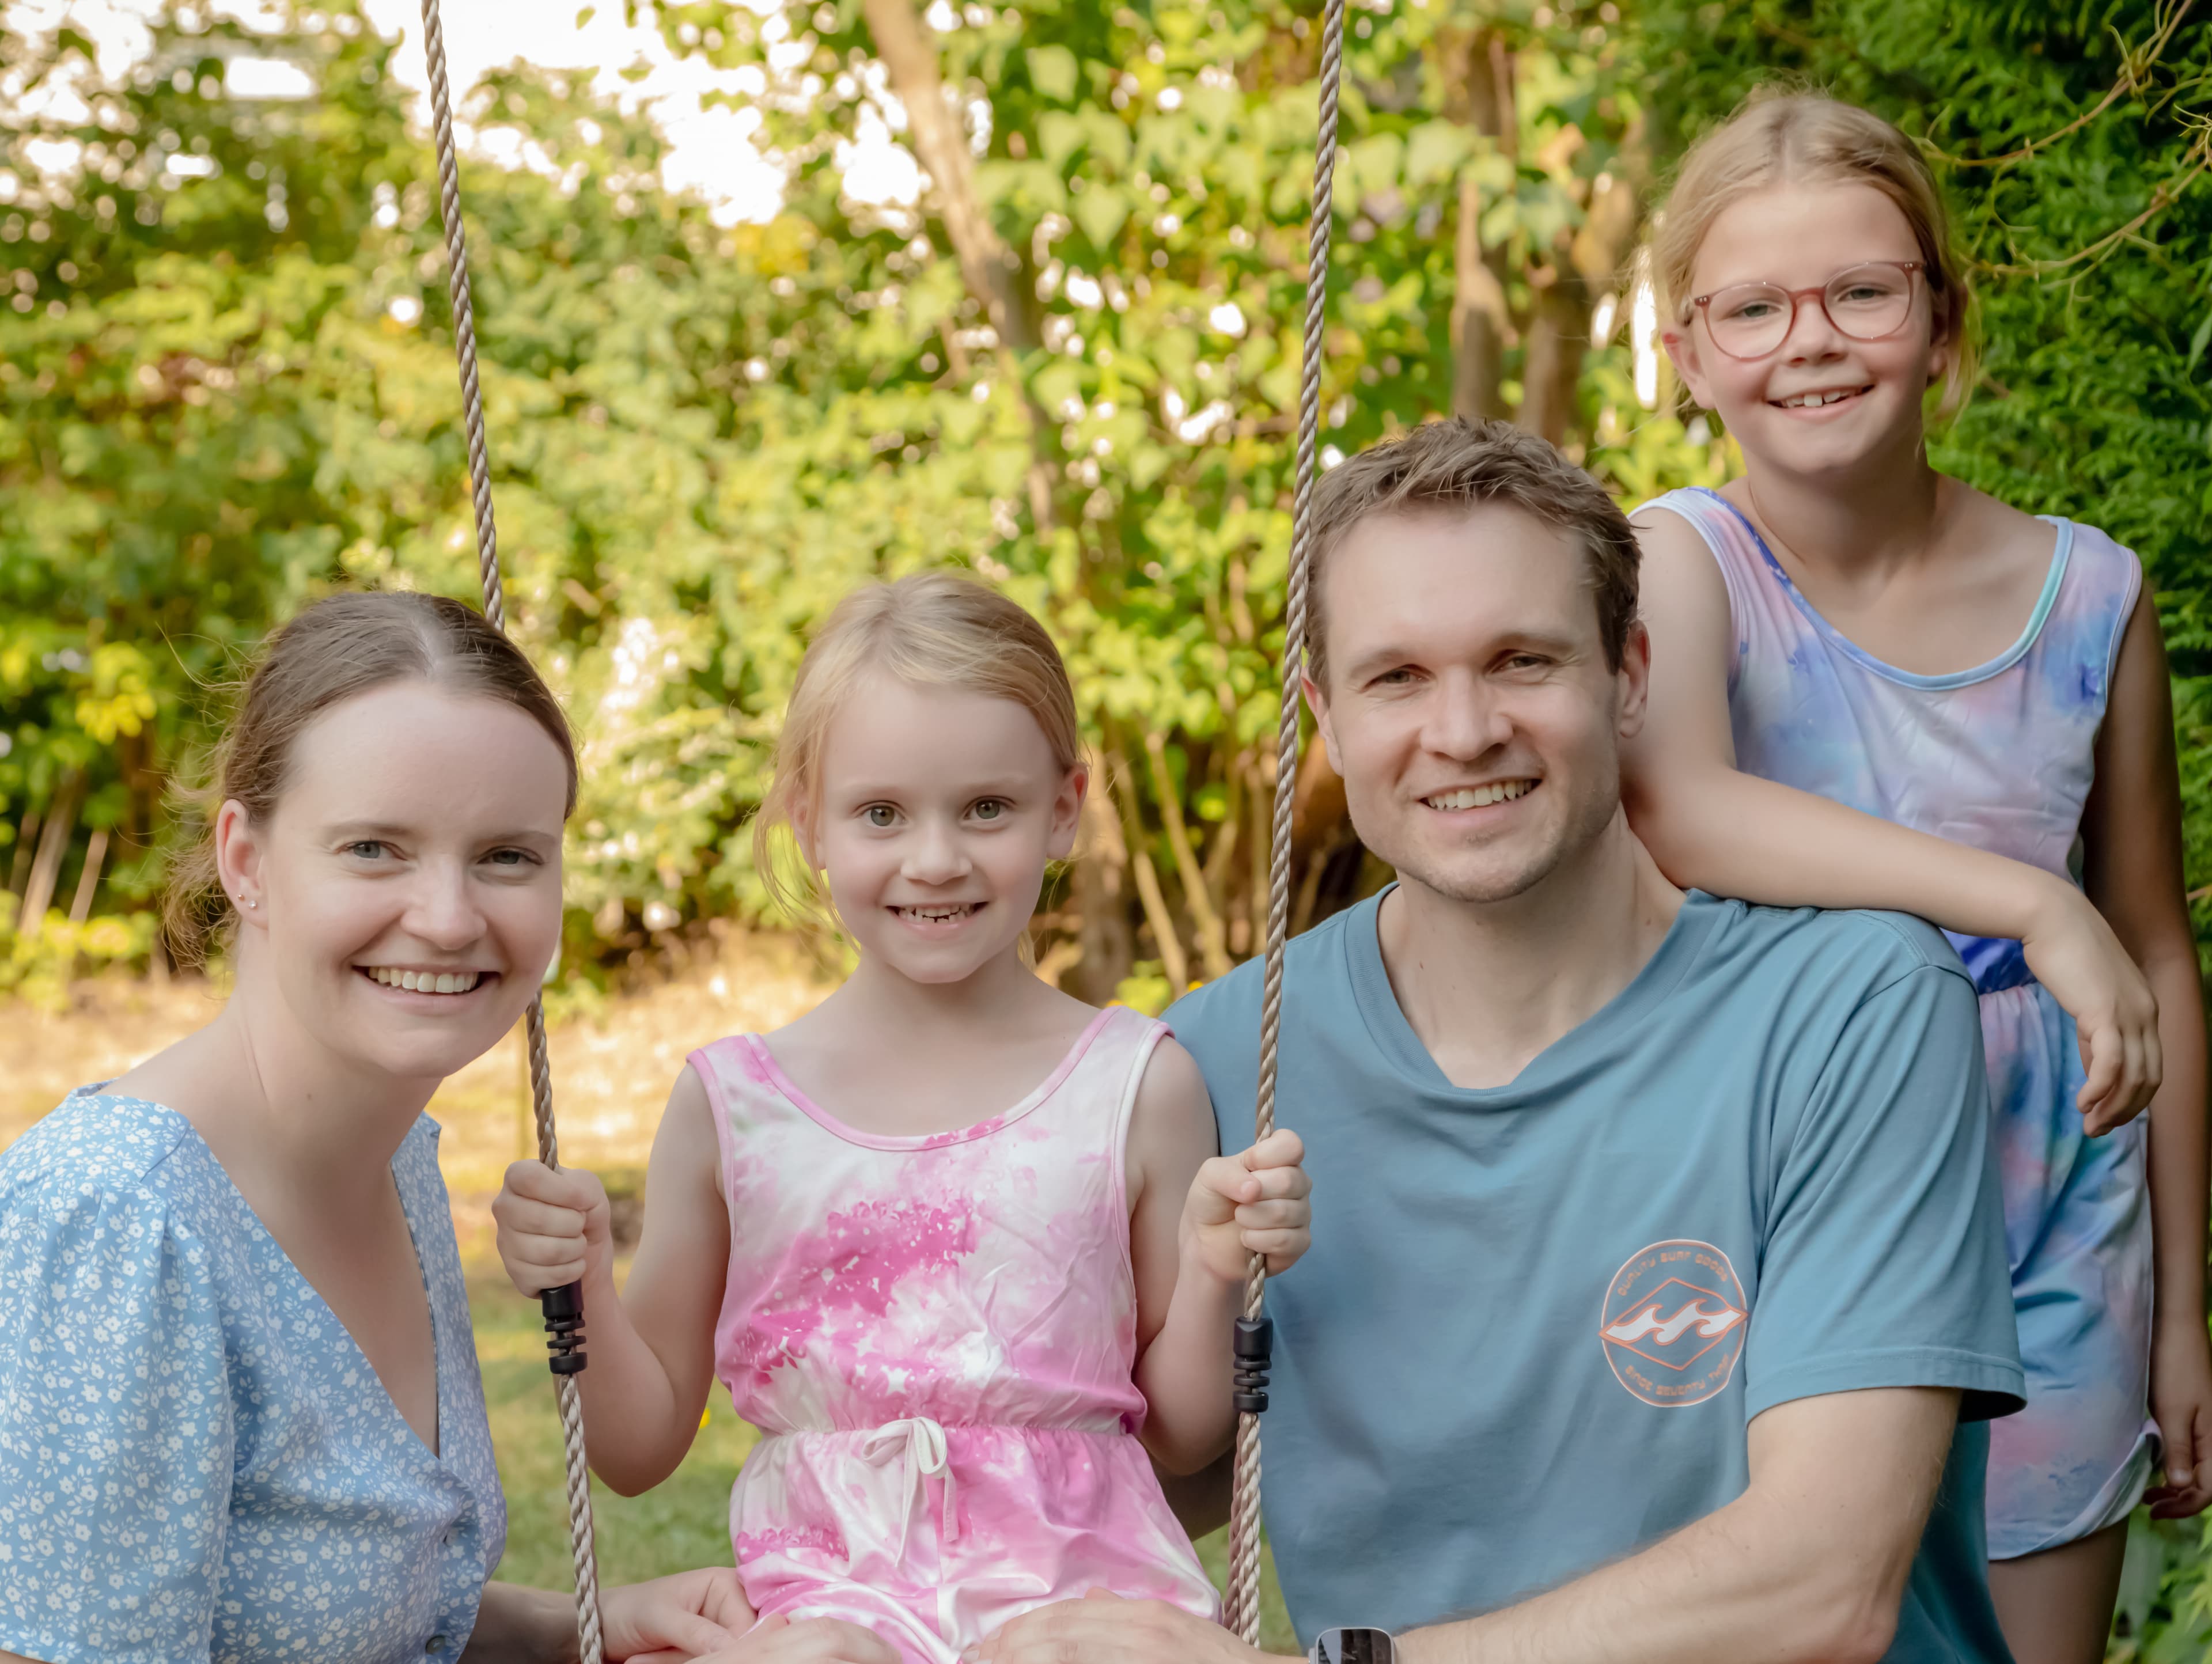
column 1481, row 797
column 426, row 982
column 1799, row 401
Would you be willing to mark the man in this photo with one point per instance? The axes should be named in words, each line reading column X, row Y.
column 1657, row 1295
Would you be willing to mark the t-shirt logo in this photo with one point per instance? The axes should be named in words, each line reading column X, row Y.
column 1673, row 1323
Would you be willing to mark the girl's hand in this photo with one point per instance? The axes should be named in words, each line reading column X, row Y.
column 1251, row 1203
column 692, row 1615
column 553, row 1227
column 810, row 1640
column 2075, row 954
column 2181, row 1403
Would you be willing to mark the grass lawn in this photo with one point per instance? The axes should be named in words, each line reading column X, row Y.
column 680, row 1524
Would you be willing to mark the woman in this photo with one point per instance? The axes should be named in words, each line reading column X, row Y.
column 240, row 1416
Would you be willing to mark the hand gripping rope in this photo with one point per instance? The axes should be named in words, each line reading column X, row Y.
column 1255, row 1336
column 564, row 1306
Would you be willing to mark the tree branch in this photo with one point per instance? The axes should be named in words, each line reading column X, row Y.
column 2134, row 66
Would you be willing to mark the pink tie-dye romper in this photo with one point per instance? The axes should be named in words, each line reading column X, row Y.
column 935, row 1335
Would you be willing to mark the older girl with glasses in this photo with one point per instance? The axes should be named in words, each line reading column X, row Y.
column 1875, row 685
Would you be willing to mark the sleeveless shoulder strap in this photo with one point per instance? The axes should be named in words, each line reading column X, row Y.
column 1135, row 1037
column 2097, row 596
column 1728, row 537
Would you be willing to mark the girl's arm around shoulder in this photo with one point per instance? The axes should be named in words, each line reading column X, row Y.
column 650, row 1346
column 1712, row 827
column 1194, row 1217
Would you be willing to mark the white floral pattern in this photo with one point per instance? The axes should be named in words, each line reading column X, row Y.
column 196, row 1461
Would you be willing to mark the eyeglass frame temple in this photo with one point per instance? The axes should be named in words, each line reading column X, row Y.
column 1703, row 303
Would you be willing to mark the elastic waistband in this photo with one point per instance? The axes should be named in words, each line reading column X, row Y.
column 1996, row 962
column 860, row 1434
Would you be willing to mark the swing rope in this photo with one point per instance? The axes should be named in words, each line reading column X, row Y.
column 563, row 1307
column 1241, row 1605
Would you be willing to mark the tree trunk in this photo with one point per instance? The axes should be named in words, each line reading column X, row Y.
column 989, row 268
column 1585, row 265
column 27, row 840
column 1478, row 81
column 1479, row 321
column 46, row 865
column 87, row 882
column 1558, row 337
column 1108, row 946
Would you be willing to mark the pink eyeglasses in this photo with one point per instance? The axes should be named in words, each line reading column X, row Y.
column 1866, row 303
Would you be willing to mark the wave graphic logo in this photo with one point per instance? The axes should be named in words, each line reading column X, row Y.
column 1673, row 1323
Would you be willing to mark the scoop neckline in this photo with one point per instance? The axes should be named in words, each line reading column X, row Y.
column 2061, row 553
column 757, row 1047
column 255, row 1223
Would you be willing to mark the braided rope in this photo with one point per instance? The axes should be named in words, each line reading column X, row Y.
column 1241, row 1606
column 541, row 1073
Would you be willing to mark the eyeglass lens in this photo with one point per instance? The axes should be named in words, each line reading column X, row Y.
column 1866, row 303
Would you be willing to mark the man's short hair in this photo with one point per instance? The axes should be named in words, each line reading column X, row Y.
column 1461, row 463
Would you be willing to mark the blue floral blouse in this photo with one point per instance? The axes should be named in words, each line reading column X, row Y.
column 197, row 1462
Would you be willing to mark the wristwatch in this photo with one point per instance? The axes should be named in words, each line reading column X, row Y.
column 1353, row 1646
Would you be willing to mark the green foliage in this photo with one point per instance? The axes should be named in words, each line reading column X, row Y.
column 227, row 389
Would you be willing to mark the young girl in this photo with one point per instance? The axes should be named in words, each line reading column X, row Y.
column 956, row 1242
column 1848, row 623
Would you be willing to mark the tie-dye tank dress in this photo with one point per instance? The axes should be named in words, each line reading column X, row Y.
column 935, row 1337
column 2000, row 756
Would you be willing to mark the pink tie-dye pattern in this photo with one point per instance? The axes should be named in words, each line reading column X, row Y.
column 978, row 1280
column 851, row 1267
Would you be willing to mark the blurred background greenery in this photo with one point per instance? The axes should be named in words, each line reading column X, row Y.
column 1065, row 357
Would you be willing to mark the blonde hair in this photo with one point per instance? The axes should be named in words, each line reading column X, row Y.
column 934, row 629
column 1784, row 136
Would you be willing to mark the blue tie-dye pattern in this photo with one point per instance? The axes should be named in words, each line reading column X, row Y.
column 2000, row 756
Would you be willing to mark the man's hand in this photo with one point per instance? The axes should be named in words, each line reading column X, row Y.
column 703, row 1617
column 779, row 1641
column 672, row 1618
column 1104, row 1629
column 2075, row 954
column 1252, row 1202
column 553, row 1227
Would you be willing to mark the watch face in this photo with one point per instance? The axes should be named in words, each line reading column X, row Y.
column 1353, row 1647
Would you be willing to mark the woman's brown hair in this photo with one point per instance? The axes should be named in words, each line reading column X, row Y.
column 334, row 651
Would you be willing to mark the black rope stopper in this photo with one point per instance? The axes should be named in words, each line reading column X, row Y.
column 564, row 1328
column 1255, row 1349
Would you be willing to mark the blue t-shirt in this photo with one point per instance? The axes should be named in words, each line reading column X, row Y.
column 1536, row 1319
